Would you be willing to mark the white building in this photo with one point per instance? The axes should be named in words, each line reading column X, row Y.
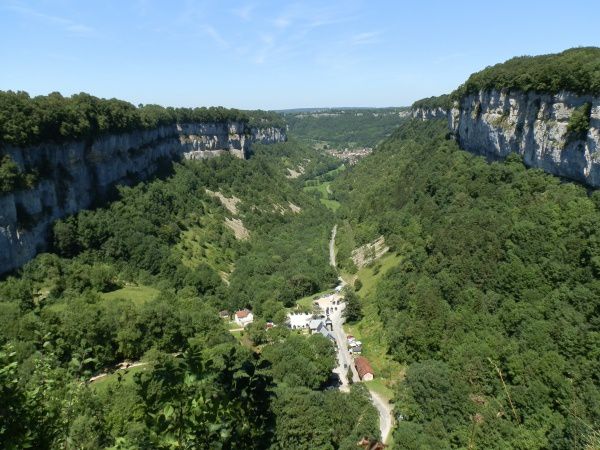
column 243, row 317
column 299, row 321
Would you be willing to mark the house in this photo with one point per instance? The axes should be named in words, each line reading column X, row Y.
column 371, row 444
column 243, row 317
column 299, row 321
column 364, row 369
column 224, row 314
column 327, row 334
column 315, row 325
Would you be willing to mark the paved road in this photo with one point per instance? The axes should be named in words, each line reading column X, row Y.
column 343, row 355
column 344, row 358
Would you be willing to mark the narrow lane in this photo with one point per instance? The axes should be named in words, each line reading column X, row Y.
column 345, row 360
column 344, row 357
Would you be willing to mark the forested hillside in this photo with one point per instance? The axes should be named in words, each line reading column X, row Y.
column 575, row 70
column 494, row 307
column 26, row 120
column 345, row 128
column 141, row 281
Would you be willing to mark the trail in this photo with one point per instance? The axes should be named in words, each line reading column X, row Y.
column 385, row 415
column 118, row 367
column 332, row 247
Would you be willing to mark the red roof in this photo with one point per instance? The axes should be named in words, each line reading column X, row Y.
column 242, row 313
column 363, row 367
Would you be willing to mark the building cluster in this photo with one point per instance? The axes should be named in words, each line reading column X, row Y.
column 318, row 322
column 351, row 156
column 311, row 323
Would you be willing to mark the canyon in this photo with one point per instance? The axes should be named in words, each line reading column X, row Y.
column 78, row 175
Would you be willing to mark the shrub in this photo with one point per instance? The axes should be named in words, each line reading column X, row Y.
column 579, row 122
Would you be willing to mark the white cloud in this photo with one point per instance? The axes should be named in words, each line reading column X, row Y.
column 63, row 22
column 244, row 12
column 215, row 35
column 369, row 37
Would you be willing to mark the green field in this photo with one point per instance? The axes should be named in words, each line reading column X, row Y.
column 127, row 378
column 137, row 294
column 324, row 195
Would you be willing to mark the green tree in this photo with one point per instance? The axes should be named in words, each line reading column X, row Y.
column 353, row 309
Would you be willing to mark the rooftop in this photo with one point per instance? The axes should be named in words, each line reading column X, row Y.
column 242, row 313
column 362, row 366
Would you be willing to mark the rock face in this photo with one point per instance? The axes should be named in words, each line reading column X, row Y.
column 429, row 113
column 78, row 175
column 534, row 125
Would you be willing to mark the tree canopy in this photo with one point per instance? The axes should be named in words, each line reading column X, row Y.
column 26, row 120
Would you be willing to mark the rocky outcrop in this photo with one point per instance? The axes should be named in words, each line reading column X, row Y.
column 535, row 125
column 423, row 113
column 78, row 175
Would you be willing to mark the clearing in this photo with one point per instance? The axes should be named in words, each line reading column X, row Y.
column 137, row 294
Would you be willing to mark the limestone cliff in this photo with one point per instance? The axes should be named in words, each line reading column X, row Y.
column 425, row 113
column 535, row 125
column 78, row 175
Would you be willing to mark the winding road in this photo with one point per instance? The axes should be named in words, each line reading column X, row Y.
column 344, row 358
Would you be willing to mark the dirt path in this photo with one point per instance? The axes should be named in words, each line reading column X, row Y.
column 332, row 247
column 121, row 366
column 385, row 415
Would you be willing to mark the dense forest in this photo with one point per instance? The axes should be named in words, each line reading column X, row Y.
column 142, row 280
column 440, row 101
column 338, row 128
column 494, row 306
column 575, row 70
column 26, row 120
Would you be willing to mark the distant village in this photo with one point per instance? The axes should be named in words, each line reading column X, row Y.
column 350, row 156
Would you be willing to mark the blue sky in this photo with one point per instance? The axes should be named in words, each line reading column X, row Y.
column 274, row 54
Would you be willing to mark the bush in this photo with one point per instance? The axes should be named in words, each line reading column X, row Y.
column 579, row 122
